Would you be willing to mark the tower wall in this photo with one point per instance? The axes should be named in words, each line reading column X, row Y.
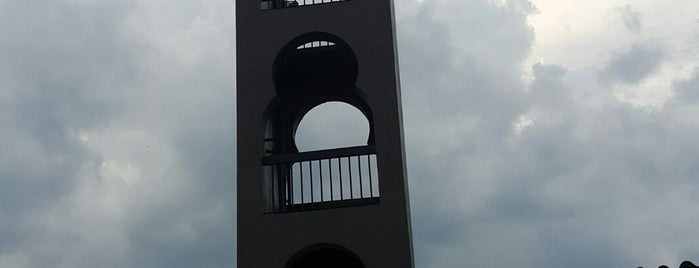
column 379, row 234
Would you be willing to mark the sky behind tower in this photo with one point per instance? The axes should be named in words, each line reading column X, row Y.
column 541, row 133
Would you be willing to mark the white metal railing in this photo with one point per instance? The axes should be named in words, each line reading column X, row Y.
column 278, row 4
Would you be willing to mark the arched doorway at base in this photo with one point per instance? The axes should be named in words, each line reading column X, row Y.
column 325, row 255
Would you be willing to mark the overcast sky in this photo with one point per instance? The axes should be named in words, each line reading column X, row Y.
column 543, row 133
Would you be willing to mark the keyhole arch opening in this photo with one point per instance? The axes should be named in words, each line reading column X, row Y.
column 331, row 125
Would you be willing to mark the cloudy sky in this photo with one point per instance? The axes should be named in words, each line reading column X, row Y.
column 542, row 133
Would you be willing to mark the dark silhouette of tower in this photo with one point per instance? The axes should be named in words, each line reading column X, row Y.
column 684, row 264
column 336, row 207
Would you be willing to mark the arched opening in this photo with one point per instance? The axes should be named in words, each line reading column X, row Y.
column 332, row 125
column 324, row 256
column 316, row 65
column 318, row 149
column 310, row 70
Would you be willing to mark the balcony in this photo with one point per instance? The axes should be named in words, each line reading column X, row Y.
column 280, row 4
column 325, row 179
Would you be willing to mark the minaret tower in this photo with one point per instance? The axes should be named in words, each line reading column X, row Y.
column 336, row 207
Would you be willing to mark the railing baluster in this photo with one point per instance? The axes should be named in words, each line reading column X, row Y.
column 339, row 166
column 371, row 183
column 359, row 167
column 330, row 170
column 275, row 184
column 320, row 176
column 270, row 198
column 349, row 166
column 310, row 173
column 301, row 178
column 289, row 187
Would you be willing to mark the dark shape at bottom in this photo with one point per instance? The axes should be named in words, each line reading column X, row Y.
column 685, row 264
column 326, row 255
column 688, row 264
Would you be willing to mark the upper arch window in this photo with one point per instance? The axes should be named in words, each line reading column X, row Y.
column 315, row 44
column 278, row 4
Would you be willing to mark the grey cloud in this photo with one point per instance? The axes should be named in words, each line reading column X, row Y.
column 548, row 89
column 61, row 64
column 688, row 90
column 455, row 70
column 630, row 17
column 633, row 65
column 118, row 150
column 570, row 188
column 458, row 101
